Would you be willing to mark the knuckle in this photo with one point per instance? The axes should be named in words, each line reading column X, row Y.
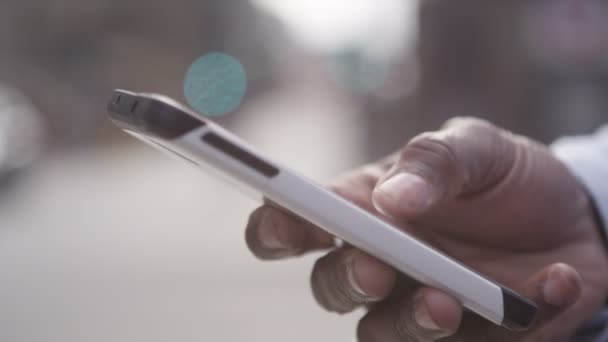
column 431, row 154
column 407, row 329
column 406, row 326
column 471, row 153
column 468, row 122
column 474, row 129
column 434, row 144
column 562, row 267
column 331, row 282
column 327, row 286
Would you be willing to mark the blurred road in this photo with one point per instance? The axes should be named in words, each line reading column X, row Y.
column 124, row 244
column 134, row 247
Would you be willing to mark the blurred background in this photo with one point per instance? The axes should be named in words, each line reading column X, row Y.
column 104, row 239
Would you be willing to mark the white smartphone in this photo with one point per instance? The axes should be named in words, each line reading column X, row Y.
column 172, row 127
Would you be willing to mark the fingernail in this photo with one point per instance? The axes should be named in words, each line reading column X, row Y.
column 268, row 234
column 354, row 284
column 405, row 189
column 559, row 289
column 423, row 319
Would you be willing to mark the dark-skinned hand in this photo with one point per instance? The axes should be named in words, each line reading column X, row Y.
column 500, row 203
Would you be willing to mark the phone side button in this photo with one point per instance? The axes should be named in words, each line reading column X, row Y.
column 241, row 155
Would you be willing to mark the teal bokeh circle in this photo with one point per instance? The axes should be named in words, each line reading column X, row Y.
column 215, row 84
column 355, row 72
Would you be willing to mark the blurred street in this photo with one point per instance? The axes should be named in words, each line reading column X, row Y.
column 122, row 243
column 109, row 253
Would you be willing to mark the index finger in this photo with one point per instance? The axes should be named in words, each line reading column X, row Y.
column 273, row 233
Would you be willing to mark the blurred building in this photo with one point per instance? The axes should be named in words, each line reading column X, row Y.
column 538, row 68
column 68, row 55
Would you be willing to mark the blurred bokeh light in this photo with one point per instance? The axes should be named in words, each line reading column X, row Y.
column 215, row 84
column 341, row 24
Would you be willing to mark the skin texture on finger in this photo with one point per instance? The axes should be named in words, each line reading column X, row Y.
column 423, row 315
column 347, row 278
column 466, row 157
column 273, row 234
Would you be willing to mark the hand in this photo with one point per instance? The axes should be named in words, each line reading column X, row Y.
column 498, row 202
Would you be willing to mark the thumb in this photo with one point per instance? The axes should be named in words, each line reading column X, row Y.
column 467, row 156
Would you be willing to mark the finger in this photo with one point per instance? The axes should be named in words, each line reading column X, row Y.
column 467, row 156
column 425, row 315
column 554, row 289
column 348, row 278
column 357, row 186
column 274, row 234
